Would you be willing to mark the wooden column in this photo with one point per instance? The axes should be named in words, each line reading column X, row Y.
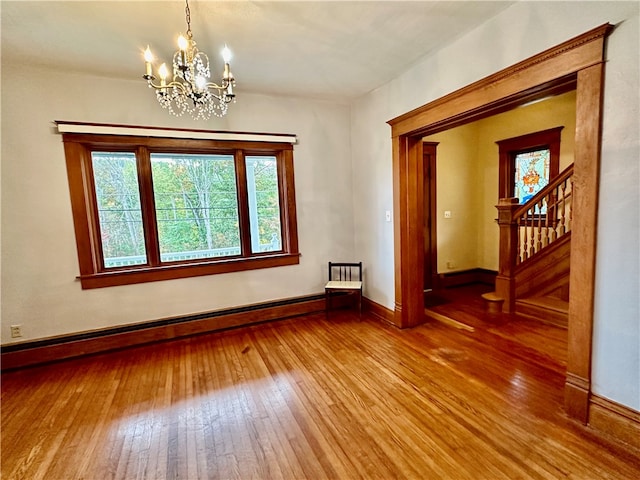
column 583, row 241
column 505, row 281
column 408, row 207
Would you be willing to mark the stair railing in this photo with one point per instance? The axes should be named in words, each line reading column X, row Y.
column 527, row 229
column 546, row 217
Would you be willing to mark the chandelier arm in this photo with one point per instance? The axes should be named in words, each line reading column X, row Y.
column 168, row 86
column 221, row 95
column 215, row 86
column 223, row 92
column 181, row 87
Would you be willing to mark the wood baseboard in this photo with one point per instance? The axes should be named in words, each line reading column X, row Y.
column 615, row 420
column 379, row 311
column 62, row 347
column 576, row 397
column 464, row 277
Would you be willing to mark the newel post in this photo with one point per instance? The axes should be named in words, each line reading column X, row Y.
column 505, row 281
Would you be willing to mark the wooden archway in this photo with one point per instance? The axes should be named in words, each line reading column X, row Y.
column 577, row 63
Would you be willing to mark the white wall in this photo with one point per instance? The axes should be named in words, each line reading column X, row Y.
column 458, row 191
column 616, row 346
column 39, row 260
column 517, row 33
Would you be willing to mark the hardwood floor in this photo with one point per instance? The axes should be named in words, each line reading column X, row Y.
column 540, row 342
column 308, row 398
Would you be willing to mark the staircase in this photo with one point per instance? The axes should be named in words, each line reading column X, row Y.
column 542, row 283
column 535, row 250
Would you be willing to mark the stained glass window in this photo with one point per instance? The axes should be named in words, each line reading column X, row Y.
column 527, row 164
column 531, row 173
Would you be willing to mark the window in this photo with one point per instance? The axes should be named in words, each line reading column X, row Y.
column 527, row 163
column 155, row 208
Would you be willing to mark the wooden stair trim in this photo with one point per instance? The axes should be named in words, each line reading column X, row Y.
column 547, row 251
column 546, row 190
column 546, row 272
column 545, row 309
column 521, row 216
column 548, row 303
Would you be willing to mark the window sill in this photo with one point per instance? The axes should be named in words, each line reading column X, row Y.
column 145, row 274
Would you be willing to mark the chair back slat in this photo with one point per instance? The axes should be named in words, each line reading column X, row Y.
column 345, row 271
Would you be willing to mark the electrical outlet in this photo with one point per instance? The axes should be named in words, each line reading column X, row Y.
column 450, row 265
column 447, row 214
column 16, row 331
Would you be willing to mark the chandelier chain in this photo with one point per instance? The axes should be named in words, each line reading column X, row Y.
column 187, row 14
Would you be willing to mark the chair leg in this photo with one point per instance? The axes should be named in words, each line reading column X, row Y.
column 360, row 304
column 327, row 303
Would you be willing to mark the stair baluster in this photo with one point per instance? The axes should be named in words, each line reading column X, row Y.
column 547, row 229
column 538, row 217
column 563, row 216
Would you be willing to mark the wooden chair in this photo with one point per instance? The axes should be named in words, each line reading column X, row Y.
column 344, row 278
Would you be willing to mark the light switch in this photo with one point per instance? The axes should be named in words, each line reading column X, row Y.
column 387, row 215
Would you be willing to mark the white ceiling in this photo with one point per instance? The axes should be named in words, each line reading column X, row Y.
column 329, row 49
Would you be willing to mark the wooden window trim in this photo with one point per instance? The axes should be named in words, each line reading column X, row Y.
column 511, row 147
column 93, row 274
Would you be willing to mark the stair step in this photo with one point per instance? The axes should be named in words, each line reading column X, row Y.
column 549, row 303
column 545, row 309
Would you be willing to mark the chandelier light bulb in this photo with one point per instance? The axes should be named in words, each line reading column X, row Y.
column 163, row 71
column 182, row 43
column 148, row 56
column 226, row 54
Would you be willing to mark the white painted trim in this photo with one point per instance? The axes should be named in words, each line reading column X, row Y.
column 173, row 133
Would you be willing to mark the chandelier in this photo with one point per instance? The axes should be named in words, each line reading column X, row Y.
column 190, row 89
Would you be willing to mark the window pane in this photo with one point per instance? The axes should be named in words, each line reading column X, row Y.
column 196, row 206
column 532, row 173
column 264, row 204
column 118, row 197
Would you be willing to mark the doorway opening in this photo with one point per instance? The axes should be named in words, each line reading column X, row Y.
column 430, row 216
column 464, row 179
column 576, row 64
